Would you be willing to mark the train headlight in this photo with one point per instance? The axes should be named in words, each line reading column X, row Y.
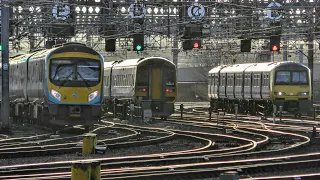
column 279, row 93
column 92, row 96
column 303, row 94
column 56, row 94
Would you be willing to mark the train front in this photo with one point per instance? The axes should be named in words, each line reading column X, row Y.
column 291, row 88
column 74, row 85
column 156, row 85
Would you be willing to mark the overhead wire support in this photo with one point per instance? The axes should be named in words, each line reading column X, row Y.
column 5, row 108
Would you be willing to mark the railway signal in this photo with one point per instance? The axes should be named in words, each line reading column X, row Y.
column 191, row 44
column 197, row 44
column 245, row 45
column 110, row 45
column 138, row 42
column 275, row 43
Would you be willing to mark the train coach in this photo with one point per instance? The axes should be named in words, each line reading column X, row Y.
column 257, row 87
column 149, row 82
column 62, row 85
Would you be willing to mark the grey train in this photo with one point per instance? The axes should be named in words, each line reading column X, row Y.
column 150, row 82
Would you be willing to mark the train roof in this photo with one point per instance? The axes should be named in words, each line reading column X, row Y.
column 108, row 64
column 136, row 62
column 252, row 67
column 216, row 69
column 236, row 68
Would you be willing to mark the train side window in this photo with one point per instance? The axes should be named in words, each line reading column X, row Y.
column 246, row 80
column 221, row 80
column 224, row 80
column 238, row 80
column 232, row 80
column 213, row 81
column 127, row 79
column 132, row 77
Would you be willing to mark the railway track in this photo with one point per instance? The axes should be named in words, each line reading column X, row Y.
column 247, row 144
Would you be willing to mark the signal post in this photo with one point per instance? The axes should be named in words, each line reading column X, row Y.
column 5, row 108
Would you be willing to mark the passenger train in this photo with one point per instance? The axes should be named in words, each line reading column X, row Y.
column 62, row 85
column 149, row 82
column 257, row 87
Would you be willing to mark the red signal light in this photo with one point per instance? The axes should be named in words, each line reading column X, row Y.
column 196, row 45
column 144, row 90
column 274, row 48
column 167, row 90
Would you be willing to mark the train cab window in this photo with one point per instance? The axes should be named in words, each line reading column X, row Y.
column 299, row 77
column 170, row 81
column 283, row 77
column 142, row 77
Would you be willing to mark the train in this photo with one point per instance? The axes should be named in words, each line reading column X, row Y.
column 61, row 86
column 150, row 83
column 257, row 88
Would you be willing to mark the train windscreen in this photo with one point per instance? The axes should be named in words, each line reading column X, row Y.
column 291, row 78
column 75, row 72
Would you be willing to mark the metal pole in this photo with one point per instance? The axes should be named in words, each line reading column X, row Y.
column 236, row 110
column 272, row 56
column 175, row 51
column 301, row 54
column 280, row 112
column 181, row 111
column 285, row 51
column 274, row 113
column 5, row 107
column 314, row 131
column 310, row 60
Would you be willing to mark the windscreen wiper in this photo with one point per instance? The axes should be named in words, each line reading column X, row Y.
column 84, row 80
column 67, row 79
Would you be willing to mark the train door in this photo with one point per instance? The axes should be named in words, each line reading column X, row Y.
column 156, row 84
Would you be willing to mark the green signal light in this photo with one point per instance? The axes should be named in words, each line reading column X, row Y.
column 138, row 47
column 0, row 47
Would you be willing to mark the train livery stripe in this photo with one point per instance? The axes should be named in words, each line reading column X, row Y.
column 75, row 54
